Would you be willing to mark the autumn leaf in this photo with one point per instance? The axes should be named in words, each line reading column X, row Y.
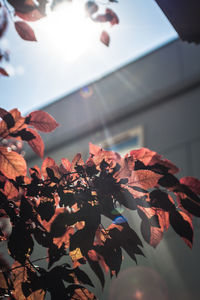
column 94, row 149
column 144, row 179
column 105, row 38
column 150, row 158
column 10, row 190
column 3, row 72
column 109, row 16
column 42, row 121
column 182, row 225
column 78, row 292
column 25, row 31
column 47, row 163
column 12, row 164
column 37, row 143
column 192, row 183
column 31, row 16
column 19, row 275
column 12, row 122
column 66, row 164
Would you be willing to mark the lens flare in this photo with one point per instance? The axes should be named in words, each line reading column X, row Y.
column 138, row 283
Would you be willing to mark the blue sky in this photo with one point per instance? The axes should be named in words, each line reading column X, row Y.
column 42, row 74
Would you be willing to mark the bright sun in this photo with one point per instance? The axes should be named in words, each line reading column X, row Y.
column 67, row 31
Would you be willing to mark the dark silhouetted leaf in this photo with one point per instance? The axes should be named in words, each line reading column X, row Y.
column 182, row 225
column 36, row 143
column 192, row 183
column 82, row 276
column 168, row 181
column 160, row 199
column 20, row 243
column 46, row 210
column 3, row 72
column 55, row 253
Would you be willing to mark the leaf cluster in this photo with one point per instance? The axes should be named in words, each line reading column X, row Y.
column 61, row 207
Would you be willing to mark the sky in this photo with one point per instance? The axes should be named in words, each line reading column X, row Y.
column 68, row 54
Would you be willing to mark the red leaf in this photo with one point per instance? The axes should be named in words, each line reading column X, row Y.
column 112, row 17
column 192, row 183
column 3, row 72
column 10, row 190
column 66, row 164
column 3, row 112
column 25, row 31
column 146, row 156
column 105, row 38
column 31, row 16
column 109, row 16
column 153, row 234
column 18, row 123
column 37, row 143
column 42, row 121
column 12, row 164
column 47, row 163
column 94, row 149
column 144, row 179
column 149, row 158
column 188, row 219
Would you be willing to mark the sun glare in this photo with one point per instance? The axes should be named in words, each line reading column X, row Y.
column 67, row 31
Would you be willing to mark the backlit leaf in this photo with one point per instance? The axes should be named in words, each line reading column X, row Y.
column 182, row 225
column 19, row 276
column 10, row 190
column 25, row 31
column 42, row 121
column 37, row 143
column 47, row 163
column 192, row 183
column 105, row 38
column 12, row 164
column 144, row 179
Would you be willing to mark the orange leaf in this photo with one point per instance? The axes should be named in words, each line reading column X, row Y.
column 10, row 190
column 192, row 183
column 188, row 219
column 83, row 294
column 47, row 163
column 144, row 179
column 25, row 31
column 19, row 276
column 37, row 143
column 18, row 123
column 42, row 121
column 66, row 164
column 94, row 149
column 12, row 164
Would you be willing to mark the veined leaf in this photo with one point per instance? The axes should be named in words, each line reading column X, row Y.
column 144, row 179
column 12, row 164
column 42, row 121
